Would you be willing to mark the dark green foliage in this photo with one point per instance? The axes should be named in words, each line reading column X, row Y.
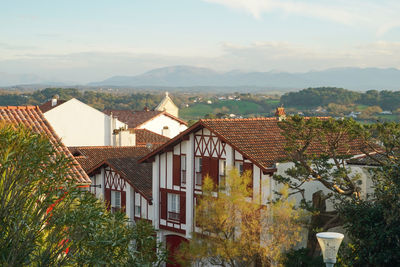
column 301, row 258
column 373, row 224
column 45, row 220
column 322, row 96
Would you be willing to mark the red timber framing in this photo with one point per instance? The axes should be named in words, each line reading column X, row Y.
column 113, row 182
column 211, row 149
column 172, row 225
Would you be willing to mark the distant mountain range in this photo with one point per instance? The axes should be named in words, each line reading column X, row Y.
column 189, row 76
column 181, row 76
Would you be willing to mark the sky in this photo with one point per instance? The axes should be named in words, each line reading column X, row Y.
column 91, row 40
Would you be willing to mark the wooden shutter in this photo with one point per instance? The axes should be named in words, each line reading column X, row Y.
column 176, row 165
column 205, row 168
column 123, row 201
column 249, row 167
column 107, row 197
column 182, row 208
column 214, row 170
column 163, row 205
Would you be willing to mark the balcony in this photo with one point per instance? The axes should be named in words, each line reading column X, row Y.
column 173, row 216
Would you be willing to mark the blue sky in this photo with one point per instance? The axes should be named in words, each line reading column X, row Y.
column 90, row 40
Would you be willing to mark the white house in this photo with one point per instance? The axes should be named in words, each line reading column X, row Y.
column 118, row 178
column 78, row 124
column 212, row 147
column 160, row 122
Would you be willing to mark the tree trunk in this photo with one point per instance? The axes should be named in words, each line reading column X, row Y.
column 321, row 220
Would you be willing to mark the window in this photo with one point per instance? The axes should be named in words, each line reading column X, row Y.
column 183, row 169
column 137, row 210
column 222, row 172
column 198, row 167
column 239, row 166
column 115, row 200
column 92, row 187
column 173, row 207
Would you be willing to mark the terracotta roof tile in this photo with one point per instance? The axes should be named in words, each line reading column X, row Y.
column 144, row 137
column 32, row 117
column 258, row 139
column 136, row 118
column 133, row 118
column 139, row 175
column 47, row 105
column 90, row 157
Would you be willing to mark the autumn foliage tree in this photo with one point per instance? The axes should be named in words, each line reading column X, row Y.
column 236, row 229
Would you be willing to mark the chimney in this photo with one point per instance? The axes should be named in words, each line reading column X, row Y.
column 280, row 113
column 124, row 137
column 54, row 100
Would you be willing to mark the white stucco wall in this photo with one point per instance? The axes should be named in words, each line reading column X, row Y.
column 79, row 124
column 314, row 186
column 157, row 124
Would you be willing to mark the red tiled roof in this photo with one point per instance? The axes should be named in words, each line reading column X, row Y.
column 32, row 117
column 47, row 105
column 144, row 137
column 136, row 118
column 138, row 175
column 91, row 157
column 258, row 139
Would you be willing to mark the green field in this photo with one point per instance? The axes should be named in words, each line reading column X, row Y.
column 199, row 110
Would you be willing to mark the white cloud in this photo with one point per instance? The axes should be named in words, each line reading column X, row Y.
column 259, row 56
column 381, row 17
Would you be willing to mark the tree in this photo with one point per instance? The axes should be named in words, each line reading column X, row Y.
column 369, row 112
column 319, row 149
column 47, row 220
column 373, row 223
column 236, row 230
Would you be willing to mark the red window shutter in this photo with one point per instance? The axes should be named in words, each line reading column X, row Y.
column 176, row 175
column 183, row 208
column 107, row 197
column 249, row 167
column 123, row 201
column 163, row 205
column 214, row 170
column 205, row 168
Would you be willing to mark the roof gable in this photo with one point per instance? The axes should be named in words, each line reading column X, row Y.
column 32, row 117
column 91, row 157
column 138, row 175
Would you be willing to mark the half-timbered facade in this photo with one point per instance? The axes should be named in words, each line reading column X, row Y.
column 118, row 178
column 212, row 147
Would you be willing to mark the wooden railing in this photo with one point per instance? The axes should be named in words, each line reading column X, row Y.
column 173, row 216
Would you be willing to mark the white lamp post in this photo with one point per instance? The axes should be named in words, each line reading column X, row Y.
column 330, row 243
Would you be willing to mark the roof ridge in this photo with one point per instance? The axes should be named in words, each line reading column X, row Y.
column 19, row 107
column 88, row 147
column 144, row 129
column 242, row 119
